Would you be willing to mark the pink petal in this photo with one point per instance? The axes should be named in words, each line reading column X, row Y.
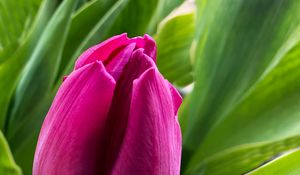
column 148, row 44
column 101, row 51
column 71, row 139
column 116, row 65
column 113, row 46
column 152, row 144
column 177, row 99
column 119, row 112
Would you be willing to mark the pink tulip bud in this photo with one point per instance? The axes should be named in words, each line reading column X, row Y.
column 114, row 114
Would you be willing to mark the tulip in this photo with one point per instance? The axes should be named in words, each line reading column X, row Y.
column 114, row 114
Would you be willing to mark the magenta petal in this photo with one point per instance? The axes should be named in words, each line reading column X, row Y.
column 119, row 112
column 148, row 44
column 104, row 50
column 152, row 143
column 150, row 47
column 71, row 137
column 116, row 65
column 177, row 99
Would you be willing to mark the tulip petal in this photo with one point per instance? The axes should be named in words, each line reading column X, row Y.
column 152, row 143
column 102, row 51
column 116, row 65
column 113, row 46
column 177, row 99
column 148, row 44
column 119, row 112
column 71, row 137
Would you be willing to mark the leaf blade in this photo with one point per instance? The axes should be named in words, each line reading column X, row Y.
column 173, row 59
column 287, row 164
column 7, row 163
column 227, row 68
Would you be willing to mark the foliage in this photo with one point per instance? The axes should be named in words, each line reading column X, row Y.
column 242, row 59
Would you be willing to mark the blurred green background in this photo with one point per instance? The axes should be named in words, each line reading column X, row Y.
column 236, row 63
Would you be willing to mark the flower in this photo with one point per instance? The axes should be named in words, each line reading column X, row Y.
column 114, row 114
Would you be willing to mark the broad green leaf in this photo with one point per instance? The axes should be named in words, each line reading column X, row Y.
column 125, row 16
column 236, row 42
column 81, row 3
column 183, row 113
column 174, row 39
column 96, row 35
column 269, row 111
column 163, row 9
column 5, row 53
column 27, row 133
column 37, row 80
column 135, row 18
column 40, row 71
column 11, row 68
column 287, row 164
column 7, row 163
column 82, row 23
column 15, row 19
column 243, row 158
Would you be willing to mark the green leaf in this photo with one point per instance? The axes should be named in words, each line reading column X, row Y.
column 15, row 17
column 27, row 133
column 5, row 53
column 135, row 18
column 269, row 111
column 174, row 39
column 38, row 76
column 124, row 16
column 36, row 82
column 11, row 68
column 243, row 158
column 85, row 19
column 7, row 163
column 163, row 9
column 287, row 164
column 183, row 116
column 97, row 34
column 81, row 3
column 183, row 113
column 236, row 42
